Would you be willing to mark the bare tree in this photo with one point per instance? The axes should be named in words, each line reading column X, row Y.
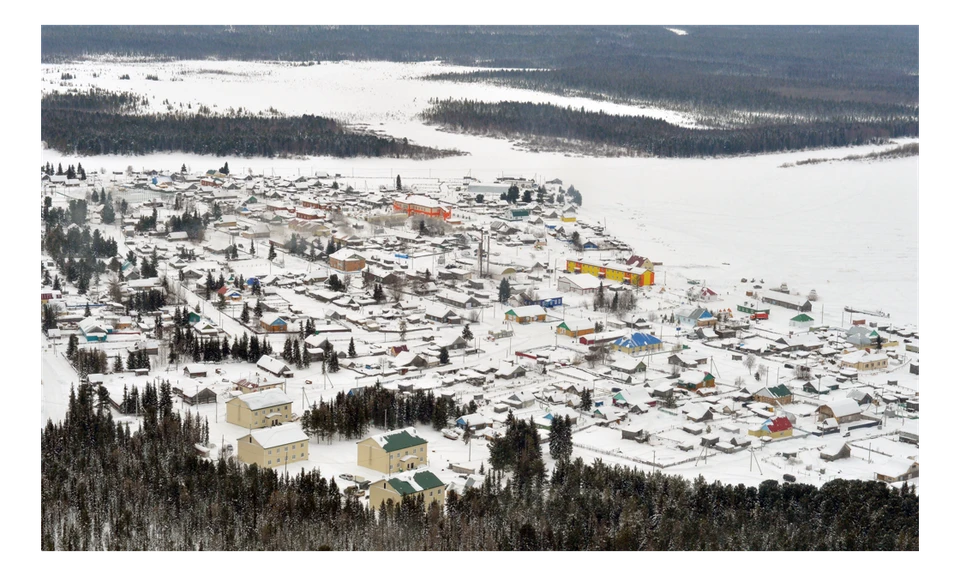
column 750, row 361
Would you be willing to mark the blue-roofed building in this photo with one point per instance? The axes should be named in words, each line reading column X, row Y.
column 637, row 343
column 697, row 317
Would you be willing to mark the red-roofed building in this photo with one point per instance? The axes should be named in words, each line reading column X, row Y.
column 779, row 427
column 640, row 262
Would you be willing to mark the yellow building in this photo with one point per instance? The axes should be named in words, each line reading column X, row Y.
column 272, row 447
column 260, row 409
column 576, row 327
column 409, row 485
column 620, row 273
column 393, row 451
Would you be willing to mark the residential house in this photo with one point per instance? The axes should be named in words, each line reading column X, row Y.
column 700, row 412
column 898, row 470
column 274, row 366
column 510, row 371
column 696, row 317
column 843, row 411
column 526, row 314
column 273, row 447
column 576, row 327
column 864, row 361
column 457, row 299
column 393, row 451
column 260, row 409
column 544, row 298
column 273, row 323
column 629, row 366
column 347, row 260
column 195, row 370
column 774, row 395
column 778, row 427
column 695, row 380
column 519, row 400
column 637, row 343
column 835, row 450
column 411, row 485
column 441, row 314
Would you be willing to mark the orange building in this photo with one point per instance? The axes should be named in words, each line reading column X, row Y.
column 414, row 204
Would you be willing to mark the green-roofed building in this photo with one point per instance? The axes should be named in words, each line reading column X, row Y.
column 408, row 485
column 392, row 452
column 802, row 321
column 774, row 395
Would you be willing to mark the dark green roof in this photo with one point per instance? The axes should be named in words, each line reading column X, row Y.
column 780, row 391
column 401, row 440
column 426, row 481
column 801, row 318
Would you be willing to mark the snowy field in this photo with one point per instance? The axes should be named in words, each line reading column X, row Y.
column 847, row 229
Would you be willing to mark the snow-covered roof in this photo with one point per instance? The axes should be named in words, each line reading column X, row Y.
column 265, row 399
column 278, row 435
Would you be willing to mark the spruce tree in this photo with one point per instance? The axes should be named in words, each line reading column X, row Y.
column 467, row 334
column 352, row 349
column 245, row 314
column 503, row 292
column 444, row 355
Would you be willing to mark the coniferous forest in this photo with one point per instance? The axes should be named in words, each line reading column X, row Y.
column 99, row 122
column 640, row 135
column 107, row 487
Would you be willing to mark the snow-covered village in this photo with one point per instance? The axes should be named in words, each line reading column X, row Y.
column 482, row 288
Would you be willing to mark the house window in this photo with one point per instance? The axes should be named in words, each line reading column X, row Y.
column 269, row 462
column 301, row 454
column 269, row 451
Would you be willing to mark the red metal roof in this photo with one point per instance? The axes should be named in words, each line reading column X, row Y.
column 780, row 424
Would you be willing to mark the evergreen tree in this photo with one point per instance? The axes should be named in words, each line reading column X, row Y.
column 117, row 364
column 503, row 292
column 586, row 400
column 245, row 314
column 86, row 310
column 399, row 185
column 513, row 194
column 72, row 345
column 333, row 363
column 297, row 356
column 272, row 254
column 467, row 334
column 352, row 350
column 527, row 196
column 441, row 415
column 444, row 355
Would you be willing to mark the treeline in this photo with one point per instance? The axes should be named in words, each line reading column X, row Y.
column 104, row 487
column 185, row 344
column 96, row 100
column 643, row 136
column 73, row 130
column 350, row 416
column 814, row 71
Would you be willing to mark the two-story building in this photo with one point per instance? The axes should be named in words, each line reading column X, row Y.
column 393, row 451
column 260, row 409
column 272, row 447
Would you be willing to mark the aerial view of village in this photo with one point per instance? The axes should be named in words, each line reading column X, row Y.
column 335, row 300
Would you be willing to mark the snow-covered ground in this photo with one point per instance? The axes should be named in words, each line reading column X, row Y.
column 847, row 229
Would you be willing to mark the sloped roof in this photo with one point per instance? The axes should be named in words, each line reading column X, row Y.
column 278, row 435
column 414, row 483
column 399, row 439
column 265, row 399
